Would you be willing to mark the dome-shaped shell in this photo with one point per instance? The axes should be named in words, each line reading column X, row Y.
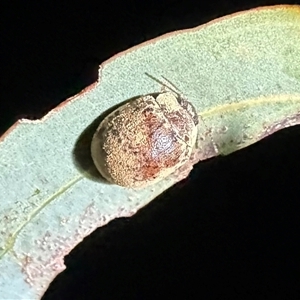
column 145, row 140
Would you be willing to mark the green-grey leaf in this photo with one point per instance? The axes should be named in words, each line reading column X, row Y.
column 241, row 72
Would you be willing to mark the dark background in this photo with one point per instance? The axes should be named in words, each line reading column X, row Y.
column 229, row 231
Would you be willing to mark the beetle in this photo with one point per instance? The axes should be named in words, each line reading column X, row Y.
column 146, row 139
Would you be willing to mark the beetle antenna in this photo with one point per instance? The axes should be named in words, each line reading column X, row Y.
column 172, row 84
column 172, row 88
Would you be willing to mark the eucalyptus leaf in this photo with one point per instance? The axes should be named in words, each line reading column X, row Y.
column 241, row 72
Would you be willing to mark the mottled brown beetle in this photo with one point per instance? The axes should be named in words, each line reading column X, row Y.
column 145, row 140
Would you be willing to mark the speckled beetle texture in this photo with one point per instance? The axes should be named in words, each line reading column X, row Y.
column 145, row 140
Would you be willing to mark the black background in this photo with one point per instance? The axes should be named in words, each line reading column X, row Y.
column 229, row 231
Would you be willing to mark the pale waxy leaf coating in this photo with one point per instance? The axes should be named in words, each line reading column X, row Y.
column 241, row 73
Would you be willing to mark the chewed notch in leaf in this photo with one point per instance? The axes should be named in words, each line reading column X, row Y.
column 240, row 73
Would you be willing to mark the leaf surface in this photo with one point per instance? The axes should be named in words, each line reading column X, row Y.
column 241, row 72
